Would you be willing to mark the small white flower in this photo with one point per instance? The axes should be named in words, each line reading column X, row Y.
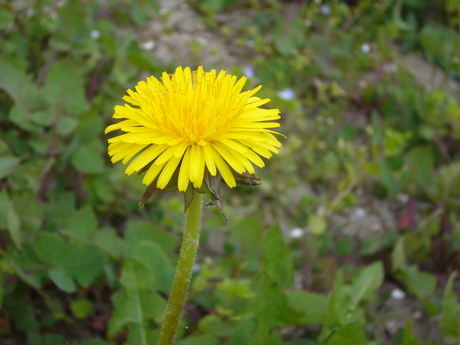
column 287, row 94
column 325, row 9
column 398, row 294
column 147, row 45
column 365, row 48
column 248, row 71
column 296, row 232
column 95, row 34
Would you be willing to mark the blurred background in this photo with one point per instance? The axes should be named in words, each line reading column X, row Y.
column 353, row 236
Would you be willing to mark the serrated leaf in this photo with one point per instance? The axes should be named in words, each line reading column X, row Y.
column 26, row 264
column 31, row 216
column 153, row 257
column 352, row 333
column 136, row 276
column 80, row 262
column 242, row 333
column 50, row 248
column 137, row 232
column 135, row 308
column 269, row 311
column 88, row 159
column 20, row 88
column 64, row 88
column 277, row 258
column 107, row 240
column 63, row 280
column 85, row 263
column 83, row 223
column 140, row 334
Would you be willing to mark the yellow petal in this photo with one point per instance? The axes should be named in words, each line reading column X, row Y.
column 167, row 172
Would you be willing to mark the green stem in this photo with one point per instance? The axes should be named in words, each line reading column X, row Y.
column 183, row 272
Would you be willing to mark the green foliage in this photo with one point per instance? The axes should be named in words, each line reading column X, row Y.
column 368, row 177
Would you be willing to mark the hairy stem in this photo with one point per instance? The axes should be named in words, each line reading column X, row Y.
column 183, row 272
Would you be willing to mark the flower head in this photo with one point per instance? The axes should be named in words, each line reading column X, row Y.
column 192, row 126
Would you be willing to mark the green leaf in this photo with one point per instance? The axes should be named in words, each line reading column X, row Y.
column 153, row 257
column 206, row 339
column 63, row 280
column 242, row 333
column 398, row 257
column 31, row 217
column 4, row 205
column 84, row 263
column 88, row 159
column 14, row 225
column 137, row 232
column 73, row 21
column 277, row 258
column 352, row 333
column 52, row 339
column 269, row 311
column 50, row 248
column 135, row 308
column 140, row 334
column 311, row 306
column 95, row 341
column 2, row 289
column 366, row 283
column 8, row 165
column 80, row 262
column 6, row 19
column 83, row 223
column 244, row 237
column 409, row 337
column 335, row 309
column 450, row 321
column 420, row 163
column 81, row 308
column 26, row 264
column 318, row 224
column 20, row 88
column 422, row 284
column 108, row 241
column 136, row 276
column 64, row 88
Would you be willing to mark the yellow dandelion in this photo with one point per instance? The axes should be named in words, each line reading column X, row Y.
column 193, row 124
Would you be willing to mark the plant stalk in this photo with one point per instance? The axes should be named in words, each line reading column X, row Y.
column 183, row 272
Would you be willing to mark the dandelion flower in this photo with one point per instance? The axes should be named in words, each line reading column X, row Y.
column 192, row 126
